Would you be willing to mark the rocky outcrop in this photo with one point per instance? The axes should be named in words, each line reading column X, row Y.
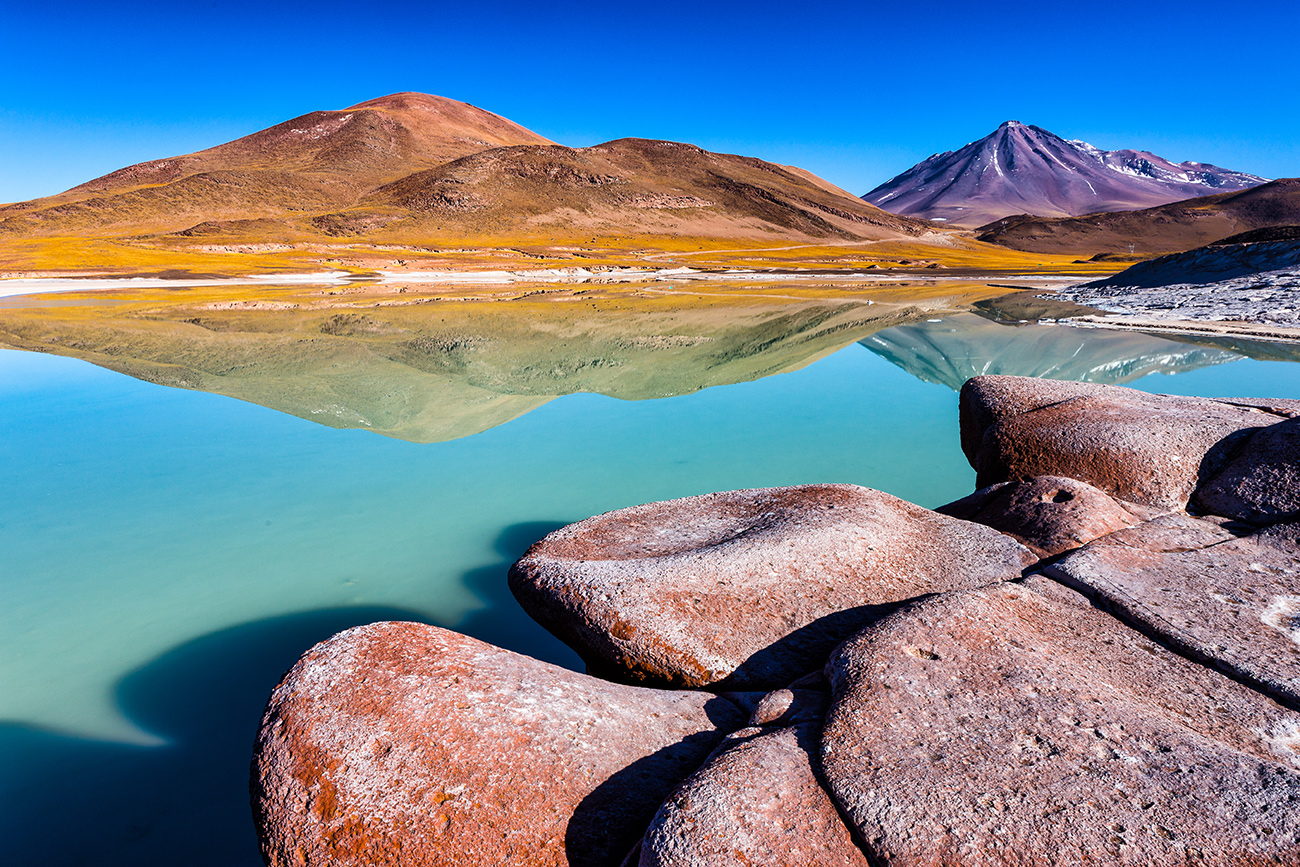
column 1047, row 514
column 1015, row 725
column 1232, row 602
column 747, row 589
column 1262, row 483
column 406, row 744
column 1148, row 449
column 757, row 800
column 1132, row 698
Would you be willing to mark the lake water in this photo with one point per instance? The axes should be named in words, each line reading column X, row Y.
column 165, row 554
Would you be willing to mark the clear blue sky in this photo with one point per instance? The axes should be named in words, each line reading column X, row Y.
column 856, row 92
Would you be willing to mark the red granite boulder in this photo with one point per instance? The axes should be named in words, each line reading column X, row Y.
column 406, row 744
column 746, row 589
column 755, row 801
column 1047, row 514
column 1147, row 449
column 1262, row 483
column 1231, row 602
column 1016, row 724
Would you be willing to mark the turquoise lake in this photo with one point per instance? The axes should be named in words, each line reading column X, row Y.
column 166, row 554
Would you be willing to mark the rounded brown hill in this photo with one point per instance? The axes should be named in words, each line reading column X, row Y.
column 316, row 162
column 628, row 186
column 376, row 140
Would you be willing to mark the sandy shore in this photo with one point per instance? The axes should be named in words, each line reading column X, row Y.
column 41, row 285
column 38, row 285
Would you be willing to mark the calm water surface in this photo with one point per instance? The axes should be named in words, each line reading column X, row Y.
column 166, row 554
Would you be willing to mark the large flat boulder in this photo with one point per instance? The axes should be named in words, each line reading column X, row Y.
column 1231, row 602
column 406, row 744
column 746, row 589
column 1047, row 514
column 1016, row 724
column 1148, row 449
column 1262, row 483
column 755, row 801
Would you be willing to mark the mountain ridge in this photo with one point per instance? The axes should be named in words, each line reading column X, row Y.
column 1168, row 228
column 411, row 167
column 1039, row 173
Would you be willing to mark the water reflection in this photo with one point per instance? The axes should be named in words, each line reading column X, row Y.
column 433, row 372
column 952, row 350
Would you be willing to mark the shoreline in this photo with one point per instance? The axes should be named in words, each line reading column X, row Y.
column 1252, row 330
column 15, row 286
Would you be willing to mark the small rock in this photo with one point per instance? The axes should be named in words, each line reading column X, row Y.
column 1048, row 514
column 1039, row 731
column 755, row 801
column 1147, row 449
column 746, row 589
column 789, row 706
column 1232, row 602
column 406, row 744
column 1262, row 483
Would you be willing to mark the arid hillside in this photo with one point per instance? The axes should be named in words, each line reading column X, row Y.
column 317, row 161
column 412, row 168
column 1169, row 228
column 625, row 187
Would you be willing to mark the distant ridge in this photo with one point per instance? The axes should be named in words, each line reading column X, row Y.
column 1022, row 169
column 1169, row 228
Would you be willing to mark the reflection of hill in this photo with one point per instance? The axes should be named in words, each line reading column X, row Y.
column 953, row 350
column 433, row 372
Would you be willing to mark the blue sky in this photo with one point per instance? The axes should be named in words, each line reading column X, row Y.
column 855, row 92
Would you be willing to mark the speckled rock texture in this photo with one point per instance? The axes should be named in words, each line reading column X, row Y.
column 1148, row 449
column 746, row 589
column 1047, row 514
column 1231, row 602
column 1017, row 725
column 755, row 801
column 406, row 744
column 1262, row 483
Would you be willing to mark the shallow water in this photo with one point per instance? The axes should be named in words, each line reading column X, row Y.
column 168, row 553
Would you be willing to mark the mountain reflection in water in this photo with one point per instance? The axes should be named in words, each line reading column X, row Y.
column 442, row 371
column 952, row 350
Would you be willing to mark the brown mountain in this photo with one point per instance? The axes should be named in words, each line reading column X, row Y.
column 630, row 186
column 412, row 167
column 321, row 160
column 1165, row 229
column 1023, row 169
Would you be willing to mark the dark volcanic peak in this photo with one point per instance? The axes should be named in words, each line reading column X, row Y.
column 1023, row 169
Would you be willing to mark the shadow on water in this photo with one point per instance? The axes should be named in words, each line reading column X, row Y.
column 503, row 622
column 73, row 801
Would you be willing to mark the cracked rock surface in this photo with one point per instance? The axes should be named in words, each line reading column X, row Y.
column 1232, row 602
column 1017, row 725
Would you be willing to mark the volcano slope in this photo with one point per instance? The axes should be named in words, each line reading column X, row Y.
column 1023, row 169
